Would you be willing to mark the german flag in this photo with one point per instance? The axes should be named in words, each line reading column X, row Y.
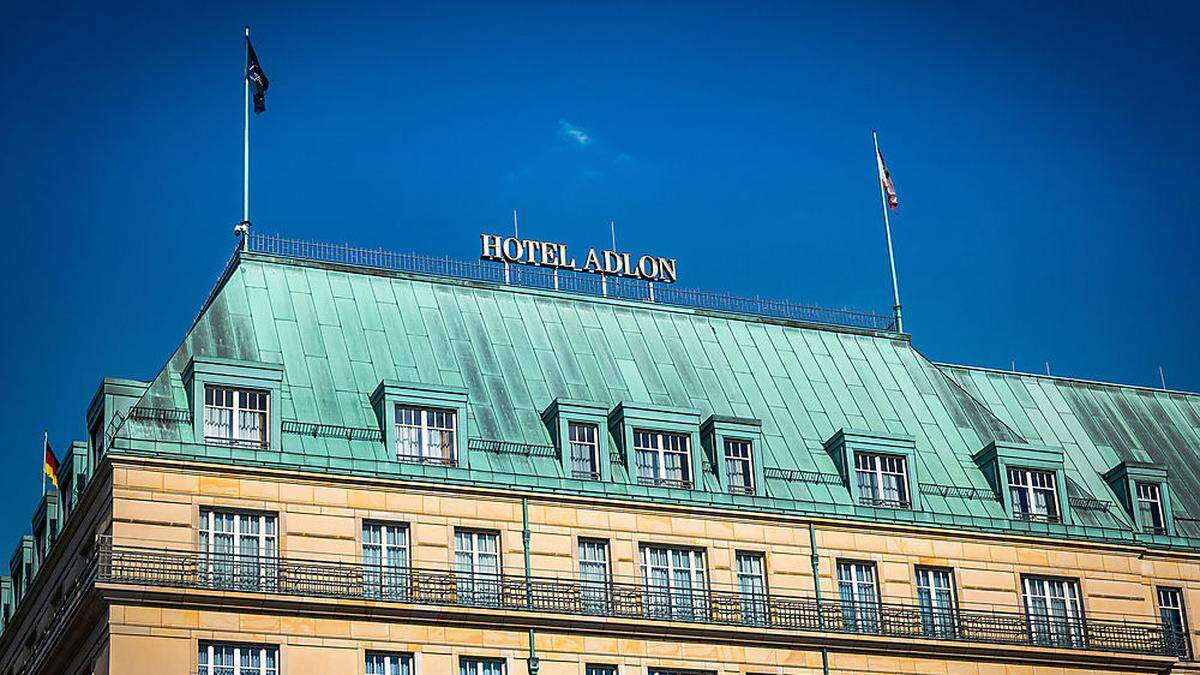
column 50, row 462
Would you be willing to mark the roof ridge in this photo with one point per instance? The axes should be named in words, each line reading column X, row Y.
column 1062, row 378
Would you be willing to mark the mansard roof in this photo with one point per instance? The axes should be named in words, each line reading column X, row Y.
column 338, row 331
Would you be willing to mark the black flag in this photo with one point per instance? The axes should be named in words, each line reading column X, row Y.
column 256, row 76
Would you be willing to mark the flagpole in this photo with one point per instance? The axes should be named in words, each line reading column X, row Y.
column 42, row 472
column 246, row 137
column 887, row 228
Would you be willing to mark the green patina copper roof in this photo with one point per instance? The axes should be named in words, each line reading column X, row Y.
column 339, row 330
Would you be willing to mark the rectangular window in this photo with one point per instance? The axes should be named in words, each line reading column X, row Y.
column 676, row 583
column 236, row 416
column 594, row 576
column 1034, row 496
column 1150, row 511
column 238, row 549
column 426, row 435
column 385, row 560
column 859, row 595
column 477, row 566
column 40, row 545
column 752, row 586
column 475, row 666
column 1054, row 611
column 739, row 465
column 227, row 659
column 585, row 460
column 1174, row 619
column 935, row 597
column 389, row 664
column 96, row 437
column 662, row 458
column 676, row 671
column 593, row 669
column 882, row 480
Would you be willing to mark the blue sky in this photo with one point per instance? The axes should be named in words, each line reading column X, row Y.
column 1044, row 157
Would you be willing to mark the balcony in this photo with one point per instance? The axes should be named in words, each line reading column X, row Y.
column 626, row 600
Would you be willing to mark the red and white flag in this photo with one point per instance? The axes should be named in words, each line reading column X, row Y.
column 885, row 179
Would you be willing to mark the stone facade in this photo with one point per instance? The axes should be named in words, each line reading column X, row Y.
column 120, row 577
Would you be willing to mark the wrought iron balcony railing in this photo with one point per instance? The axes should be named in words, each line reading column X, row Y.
column 540, row 594
column 1037, row 517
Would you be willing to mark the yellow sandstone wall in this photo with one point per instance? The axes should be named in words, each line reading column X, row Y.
column 152, row 641
column 321, row 518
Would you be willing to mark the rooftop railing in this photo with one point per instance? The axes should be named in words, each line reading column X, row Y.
column 621, row 599
column 566, row 281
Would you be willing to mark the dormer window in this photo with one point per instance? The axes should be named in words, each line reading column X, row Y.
column 236, row 416
column 882, row 480
column 663, row 458
column 1034, row 495
column 585, row 454
column 1149, row 508
column 96, row 436
column 426, row 435
column 739, row 465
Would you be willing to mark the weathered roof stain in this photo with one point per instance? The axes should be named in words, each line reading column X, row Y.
column 338, row 331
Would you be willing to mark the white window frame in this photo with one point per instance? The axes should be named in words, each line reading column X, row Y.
column 739, row 452
column 595, row 575
column 1059, row 621
column 751, row 570
column 599, row 669
column 1170, row 600
column 415, row 437
column 675, row 599
column 584, row 438
column 858, row 590
column 874, row 467
column 388, row 572
column 475, row 665
column 266, row 549
column 1149, row 495
column 937, row 600
column 394, row 663
column 475, row 582
column 659, row 446
column 239, row 650
column 1031, row 483
column 241, row 402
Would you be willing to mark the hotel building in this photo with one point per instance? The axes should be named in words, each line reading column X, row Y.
column 364, row 463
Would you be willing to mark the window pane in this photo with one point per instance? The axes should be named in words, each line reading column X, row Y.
column 739, row 465
column 752, row 587
column 584, row 450
column 1055, row 615
column 473, row 666
column 1170, row 608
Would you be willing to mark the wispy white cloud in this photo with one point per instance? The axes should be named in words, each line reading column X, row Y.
column 573, row 133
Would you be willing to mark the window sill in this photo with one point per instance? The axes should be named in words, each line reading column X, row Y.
column 236, row 443
column 1036, row 517
column 885, row 503
column 419, row 459
column 665, row 482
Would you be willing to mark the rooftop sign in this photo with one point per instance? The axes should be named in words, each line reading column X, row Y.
column 554, row 255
